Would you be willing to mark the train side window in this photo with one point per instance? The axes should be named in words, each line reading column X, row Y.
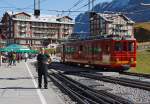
column 81, row 48
column 130, row 46
column 85, row 49
column 66, row 50
column 124, row 46
column 97, row 50
column 118, row 46
column 72, row 50
column 90, row 50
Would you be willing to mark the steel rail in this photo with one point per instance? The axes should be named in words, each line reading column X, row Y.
column 74, row 95
column 98, row 98
column 65, row 81
column 111, row 98
column 83, row 91
column 121, row 81
column 105, row 94
column 136, row 74
column 144, row 83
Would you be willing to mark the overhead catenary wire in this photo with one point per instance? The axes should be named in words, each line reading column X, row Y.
column 83, row 6
column 132, row 12
column 74, row 11
column 76, row 4
column 69, row 10
column 125, row 13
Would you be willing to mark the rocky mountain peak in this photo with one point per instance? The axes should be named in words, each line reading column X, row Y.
column 131, row 8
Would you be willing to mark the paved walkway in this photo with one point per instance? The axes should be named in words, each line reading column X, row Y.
column 18, row 85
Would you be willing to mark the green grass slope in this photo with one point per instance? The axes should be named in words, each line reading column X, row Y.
column 143, row 62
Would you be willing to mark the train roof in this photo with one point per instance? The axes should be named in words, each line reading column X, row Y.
column 91, row 38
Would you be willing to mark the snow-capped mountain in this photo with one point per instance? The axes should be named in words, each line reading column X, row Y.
column 131, row 8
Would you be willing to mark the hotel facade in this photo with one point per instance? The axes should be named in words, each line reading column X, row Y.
column 26, row 29
column 110, row 24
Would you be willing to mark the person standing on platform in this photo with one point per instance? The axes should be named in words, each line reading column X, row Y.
column 10, row 58
column 17, row 57
column 42, row 61
column 14, row 58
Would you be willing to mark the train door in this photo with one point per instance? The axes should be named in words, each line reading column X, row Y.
column 124, row 53
column 94, row 45
column 131, row 48
column 85, row 51
column 97, row 52
column 59, row 52
column 82, row 52
column 121, row 53
column 106, row 52
column 89, row 52
column 128, row 51
column 119, row 48
column 63, row 53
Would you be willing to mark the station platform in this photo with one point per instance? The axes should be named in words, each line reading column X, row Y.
column 18, row 85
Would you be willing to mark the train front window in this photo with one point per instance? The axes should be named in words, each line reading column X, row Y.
column 131, row 46
column 118, row 46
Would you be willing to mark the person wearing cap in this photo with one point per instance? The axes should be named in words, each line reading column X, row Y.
column 42, row 61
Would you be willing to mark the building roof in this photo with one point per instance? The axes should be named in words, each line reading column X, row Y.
column 42, row 18
column 111, row 17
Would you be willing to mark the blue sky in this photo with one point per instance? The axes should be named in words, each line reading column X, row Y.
column 46, row 5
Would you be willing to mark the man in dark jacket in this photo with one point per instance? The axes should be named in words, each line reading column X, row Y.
column 42, row 60
column 10, row 58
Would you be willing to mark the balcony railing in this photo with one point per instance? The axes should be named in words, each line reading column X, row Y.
column 2, row 42
column 39, row 26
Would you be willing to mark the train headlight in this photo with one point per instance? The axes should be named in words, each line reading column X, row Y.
column 117, row 59
column 132, row 60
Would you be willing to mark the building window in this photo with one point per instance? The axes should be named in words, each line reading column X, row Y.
column 26, row 41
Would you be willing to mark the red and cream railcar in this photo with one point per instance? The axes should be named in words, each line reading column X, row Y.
column 106, row 53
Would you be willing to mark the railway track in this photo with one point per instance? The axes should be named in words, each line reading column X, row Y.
column 136, row 74
column 83, row 94
column 122, row 81
column 74, row 69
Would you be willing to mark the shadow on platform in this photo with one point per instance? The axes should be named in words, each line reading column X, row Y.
column 17, row 78
column 19, row 88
